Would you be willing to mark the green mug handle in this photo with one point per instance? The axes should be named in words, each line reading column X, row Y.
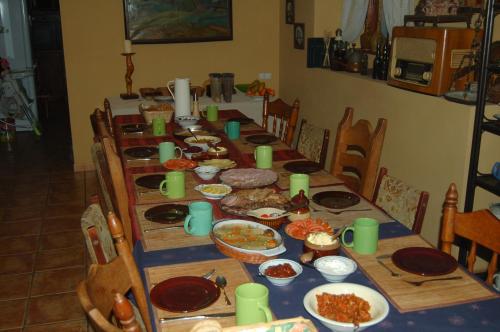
column 255, row 154
column 186, row 224
column 267, row 312
column 203, row 113
column 225, row 127
column 350, row 244
column 163, row 191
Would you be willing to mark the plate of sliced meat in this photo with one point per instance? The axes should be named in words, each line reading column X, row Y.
column 249, row 177
column 300, row 228
column 240, row 202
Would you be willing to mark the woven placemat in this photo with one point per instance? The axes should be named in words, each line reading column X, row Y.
column 406, row 297
column 149, row 196
column 345, row 218
column 234, row 271
column 316, row 179
column 246, row 147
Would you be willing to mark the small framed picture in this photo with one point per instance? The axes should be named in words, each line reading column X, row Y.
column 299, row 36
column 290, row 11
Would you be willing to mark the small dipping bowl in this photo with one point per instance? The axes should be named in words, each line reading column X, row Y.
column 217, row 152
column 319, row 244
column 277, row 281
column 335, row 268
column 206, row 172
column 192, row 151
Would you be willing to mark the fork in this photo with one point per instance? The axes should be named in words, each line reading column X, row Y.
column 419, row 283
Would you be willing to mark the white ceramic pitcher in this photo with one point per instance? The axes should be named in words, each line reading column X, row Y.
column 181, row 95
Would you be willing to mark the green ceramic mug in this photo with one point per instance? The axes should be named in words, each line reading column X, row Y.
column 167, row 151
column 232, row 129
column 174, row 185
column 263, row 155
column 252, row 304
column 299, row 182
column 159, row 127
column 211, row 112
column 199, row 220
column 365, row 236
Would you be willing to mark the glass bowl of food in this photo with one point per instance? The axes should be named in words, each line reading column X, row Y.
column 280, row 272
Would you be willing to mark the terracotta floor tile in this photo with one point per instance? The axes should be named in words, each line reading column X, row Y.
column 13, row 214
column 76, row 208
column 60, row 198
column 61, row 240
column 70, row 326
column 18, row 245
column 57, row 281
column 53, row 259
column 20, row 228
column 14, row 286
column 28, row 201
column 61, row 224
column 16, row 264
column 12, row 314
column 54, row 308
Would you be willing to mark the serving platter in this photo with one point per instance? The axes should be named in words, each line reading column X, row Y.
column 242, row 201
column 279, row 249
column 249, row 177
column 184, row 294
column 336, row 199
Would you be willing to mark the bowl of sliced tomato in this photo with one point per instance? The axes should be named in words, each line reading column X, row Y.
column 179, row 164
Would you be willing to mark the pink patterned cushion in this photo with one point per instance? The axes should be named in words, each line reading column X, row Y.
column 398, row 199
column 310, row 142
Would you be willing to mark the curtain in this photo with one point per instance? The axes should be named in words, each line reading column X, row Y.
column 394, row 12
column 353, row 18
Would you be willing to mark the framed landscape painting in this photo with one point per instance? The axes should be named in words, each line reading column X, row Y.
column 178, row 21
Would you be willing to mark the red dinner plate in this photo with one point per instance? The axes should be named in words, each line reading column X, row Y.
column 184, row 294
column 424, row 261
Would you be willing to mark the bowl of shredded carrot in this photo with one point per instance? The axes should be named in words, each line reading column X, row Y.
column 346, row 307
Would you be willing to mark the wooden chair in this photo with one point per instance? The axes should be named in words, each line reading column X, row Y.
column 119, row 188
column 106, row 193
column 357, row 153
column 108, row 115
column 286, row 114
column 97, row 236
column 313, row 142
column 480, row 227
column 401, row 201
column 101, row 292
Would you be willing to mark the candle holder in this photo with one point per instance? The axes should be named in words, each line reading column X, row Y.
column 128, row 78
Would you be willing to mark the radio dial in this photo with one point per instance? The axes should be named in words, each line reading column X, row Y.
column 397, row 71
column 427, row 75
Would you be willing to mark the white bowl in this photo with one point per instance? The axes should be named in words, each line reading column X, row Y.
column 335, row 268
column 223, row 188
column 192, row 141
column 379, row 308
column 258, row 213
column 186, row 121
column 280, row 281
column 207, row 172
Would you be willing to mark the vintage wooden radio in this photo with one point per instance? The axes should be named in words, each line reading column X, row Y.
column 424, row 59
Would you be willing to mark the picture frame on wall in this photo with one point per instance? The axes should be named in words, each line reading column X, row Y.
column 178, row 21
column 290, row 11
column 299, row 36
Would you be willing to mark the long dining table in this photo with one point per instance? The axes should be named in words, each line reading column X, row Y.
column 435, row 306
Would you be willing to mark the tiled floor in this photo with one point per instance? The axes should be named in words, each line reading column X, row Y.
column 43, row 256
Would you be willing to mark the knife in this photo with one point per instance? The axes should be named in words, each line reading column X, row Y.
column 163, row 228
column 221, row 315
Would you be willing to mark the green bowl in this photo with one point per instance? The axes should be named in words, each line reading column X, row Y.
column 242, row 87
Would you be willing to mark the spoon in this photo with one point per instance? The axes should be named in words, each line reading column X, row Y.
column 191, row 132
column 222, row 282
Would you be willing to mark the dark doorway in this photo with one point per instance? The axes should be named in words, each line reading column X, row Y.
column 50, row 75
